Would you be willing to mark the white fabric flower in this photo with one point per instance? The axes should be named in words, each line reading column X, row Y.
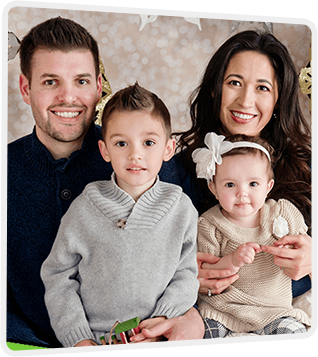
column 206, row 159
column 280, row 227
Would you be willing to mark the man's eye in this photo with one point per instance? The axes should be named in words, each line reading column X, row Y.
column 83, row 81
column 50, row 82
column 149, row 143
column 229, row 184
column 121, row 144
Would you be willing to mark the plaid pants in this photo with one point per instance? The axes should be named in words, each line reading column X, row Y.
column 283, row 325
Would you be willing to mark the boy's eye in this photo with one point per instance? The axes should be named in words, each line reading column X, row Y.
column 229, row 184
column 149, row 143
column 253, row 184
column 121, row 144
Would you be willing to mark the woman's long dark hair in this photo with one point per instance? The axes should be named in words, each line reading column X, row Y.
column 287, row 132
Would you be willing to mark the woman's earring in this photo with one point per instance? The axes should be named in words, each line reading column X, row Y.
column 274, row 116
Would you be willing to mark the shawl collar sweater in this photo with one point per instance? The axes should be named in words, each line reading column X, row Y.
column 40, row 191
column 99, row 271
column 263, row 292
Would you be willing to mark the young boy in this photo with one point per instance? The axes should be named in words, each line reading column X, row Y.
column 260, row 301
column 126, row 247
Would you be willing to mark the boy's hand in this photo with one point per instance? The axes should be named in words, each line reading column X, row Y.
column 245, row 254
column 147, row 324
column 86, row 343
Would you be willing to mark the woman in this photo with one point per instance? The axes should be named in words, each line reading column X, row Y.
column 250, row 87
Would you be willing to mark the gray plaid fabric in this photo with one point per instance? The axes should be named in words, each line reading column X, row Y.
column 283, row 325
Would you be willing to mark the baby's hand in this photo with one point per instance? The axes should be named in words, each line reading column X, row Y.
column 245, row 254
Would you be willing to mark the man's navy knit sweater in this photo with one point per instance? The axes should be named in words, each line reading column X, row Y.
column 40, row 190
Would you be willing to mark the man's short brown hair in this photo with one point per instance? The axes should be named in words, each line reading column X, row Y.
column 56, row 34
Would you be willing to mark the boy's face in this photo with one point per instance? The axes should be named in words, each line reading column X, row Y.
column 241, row 185
column 135, row 144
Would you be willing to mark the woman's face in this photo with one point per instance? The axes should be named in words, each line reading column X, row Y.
column 249, row 93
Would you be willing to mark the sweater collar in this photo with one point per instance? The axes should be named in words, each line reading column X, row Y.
column 43, row 161
column 118, row 205
column 261, row 234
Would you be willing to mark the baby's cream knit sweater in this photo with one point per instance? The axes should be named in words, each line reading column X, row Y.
column 263, row 292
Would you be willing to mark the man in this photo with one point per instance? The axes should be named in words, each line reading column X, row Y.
column 49, row 168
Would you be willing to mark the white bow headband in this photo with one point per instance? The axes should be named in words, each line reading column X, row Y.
column 206, row 159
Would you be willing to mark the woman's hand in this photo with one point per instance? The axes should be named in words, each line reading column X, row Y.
column 190, row 326
column 86, row 343
column 212, row 279
column 296, row 261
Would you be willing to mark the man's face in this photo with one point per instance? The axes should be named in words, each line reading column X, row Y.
column 63, row 92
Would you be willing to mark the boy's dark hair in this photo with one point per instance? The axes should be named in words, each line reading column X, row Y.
column 56, row 34
column 251, row 150
column 137, row 98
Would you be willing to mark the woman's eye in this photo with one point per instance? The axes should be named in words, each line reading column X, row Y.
column 253, row 184
column 149, row 143
column 121, row 144
column 235, row 83
column 229, row 184
column 264, row 88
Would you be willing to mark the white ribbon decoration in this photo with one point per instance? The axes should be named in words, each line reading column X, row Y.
column 207, row 158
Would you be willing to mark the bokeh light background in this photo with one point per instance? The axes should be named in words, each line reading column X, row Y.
column 167, row 56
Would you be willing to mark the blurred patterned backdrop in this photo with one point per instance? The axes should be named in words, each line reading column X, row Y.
column 166, row 54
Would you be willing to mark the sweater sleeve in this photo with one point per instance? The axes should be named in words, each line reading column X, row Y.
column 62, row 289
column 295, row 219
column 182, row 291
column 207, row 242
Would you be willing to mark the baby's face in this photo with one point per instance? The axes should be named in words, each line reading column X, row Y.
column 136, row 145
column 241, row 184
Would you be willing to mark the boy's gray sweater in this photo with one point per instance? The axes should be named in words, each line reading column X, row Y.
column 98, row 273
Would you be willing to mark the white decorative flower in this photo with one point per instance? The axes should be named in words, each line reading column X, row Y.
column 206, row 159
column 146, row 19
column 280, row 227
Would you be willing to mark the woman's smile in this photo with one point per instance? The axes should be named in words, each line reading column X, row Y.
column 249, row 93
column 242, row 118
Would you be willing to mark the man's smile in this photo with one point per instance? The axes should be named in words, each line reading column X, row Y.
column 67, row 114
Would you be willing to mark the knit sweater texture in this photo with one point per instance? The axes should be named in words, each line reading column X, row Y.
column 40, row 191
column 99, row 272
column 263, row 292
